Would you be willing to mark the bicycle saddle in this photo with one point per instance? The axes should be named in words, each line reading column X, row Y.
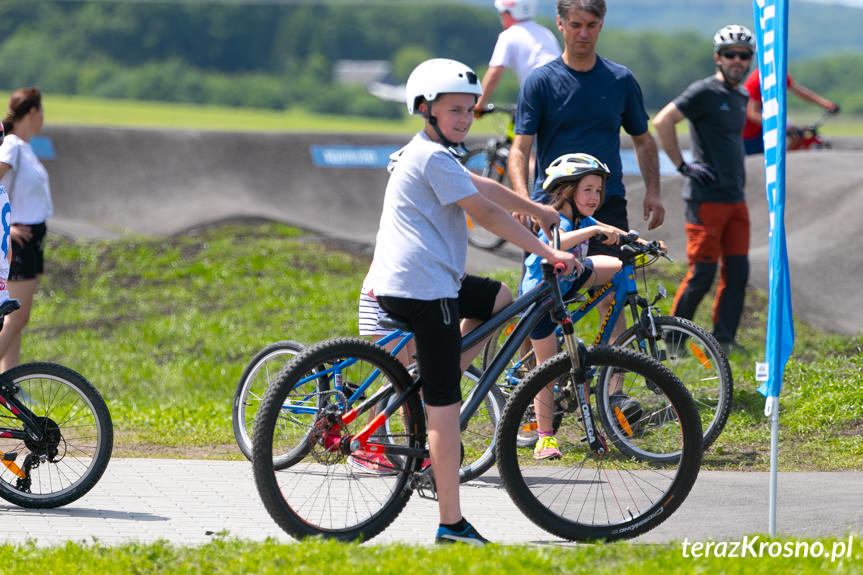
column 392, row 322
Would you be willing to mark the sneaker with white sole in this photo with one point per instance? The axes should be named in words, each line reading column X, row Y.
column 468, row 535
column 547, row 448
column 369, row 462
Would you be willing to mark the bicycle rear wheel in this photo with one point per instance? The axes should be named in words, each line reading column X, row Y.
column 253, row 384
column 476, row 160
column 77, row 438
column 324, row 492
column 695, row 357
column 585, row 496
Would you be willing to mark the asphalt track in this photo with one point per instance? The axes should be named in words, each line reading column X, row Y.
column 111, row 182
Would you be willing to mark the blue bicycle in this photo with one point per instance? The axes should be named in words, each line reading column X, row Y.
column 688, row 350
column 264, row 367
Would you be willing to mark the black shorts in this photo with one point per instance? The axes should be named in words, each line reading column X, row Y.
column 613, row 213
column 28, row 260
column 435, row 324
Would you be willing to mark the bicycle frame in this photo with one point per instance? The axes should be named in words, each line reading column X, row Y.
column 29, row 430
column 542, row 299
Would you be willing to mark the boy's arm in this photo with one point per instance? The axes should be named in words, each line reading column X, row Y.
column 509, row 200
column 494, row 218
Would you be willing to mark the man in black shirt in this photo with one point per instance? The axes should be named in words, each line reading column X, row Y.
column 717, row 219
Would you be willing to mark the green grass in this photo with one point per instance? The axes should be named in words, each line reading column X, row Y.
column 164, row 326
column 313, row 557
column 82, row 111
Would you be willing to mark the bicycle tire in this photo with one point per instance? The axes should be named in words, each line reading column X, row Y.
column 479, row 435
column 322, row 494
column 586, row 497
column 477, row 235
column 697, row 359
column 256, row 378
column 78, row 442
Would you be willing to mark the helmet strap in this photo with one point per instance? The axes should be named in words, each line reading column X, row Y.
column 433, row 122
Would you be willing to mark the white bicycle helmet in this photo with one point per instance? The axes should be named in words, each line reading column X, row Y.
column 733, row 35
column 439, row 76
column 573, row 167
column 520, row 9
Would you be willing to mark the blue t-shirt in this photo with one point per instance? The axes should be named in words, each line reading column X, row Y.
column 570, row 111
column 533, row 269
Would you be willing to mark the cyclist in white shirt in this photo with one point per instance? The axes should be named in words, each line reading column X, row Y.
column 26, row 182
column 523, row 46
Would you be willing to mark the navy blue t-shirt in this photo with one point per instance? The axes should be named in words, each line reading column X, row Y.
column 570, row 111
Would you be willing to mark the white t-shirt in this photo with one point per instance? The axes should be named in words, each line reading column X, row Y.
column 29, row 194
column 421, row 245
column 524, row 46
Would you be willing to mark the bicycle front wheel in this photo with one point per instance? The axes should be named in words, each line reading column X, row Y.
column 478, row 438
column 77, row 437
column 694, row 356
column 583, row 495
column 253, row 384
column 476, row 160
column 327, row 492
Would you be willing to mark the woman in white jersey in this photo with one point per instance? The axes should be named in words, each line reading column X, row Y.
column 26, row 183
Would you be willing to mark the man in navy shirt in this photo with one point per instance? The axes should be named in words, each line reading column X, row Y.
column 578, row 103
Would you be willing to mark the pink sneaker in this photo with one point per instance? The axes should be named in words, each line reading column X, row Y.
column 371, row 463
column 547, row 448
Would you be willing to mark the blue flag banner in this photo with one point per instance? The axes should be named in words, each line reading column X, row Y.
column 771, row 32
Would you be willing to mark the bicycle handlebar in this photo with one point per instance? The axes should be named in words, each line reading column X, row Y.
column 492, row 109
column 629, row 243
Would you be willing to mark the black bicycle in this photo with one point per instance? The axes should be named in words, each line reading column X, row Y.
column 595, row 491
column 489, row 159
column 56, row 434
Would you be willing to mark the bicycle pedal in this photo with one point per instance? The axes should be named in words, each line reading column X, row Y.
column 424, row 485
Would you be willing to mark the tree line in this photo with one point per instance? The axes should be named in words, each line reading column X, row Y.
column 282, row 56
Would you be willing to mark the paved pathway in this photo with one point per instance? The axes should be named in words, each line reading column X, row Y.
column 191, row 502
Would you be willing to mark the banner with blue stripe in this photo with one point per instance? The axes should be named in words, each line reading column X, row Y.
column 771, row 31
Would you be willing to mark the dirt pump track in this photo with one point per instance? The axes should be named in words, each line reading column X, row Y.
column 110, row 181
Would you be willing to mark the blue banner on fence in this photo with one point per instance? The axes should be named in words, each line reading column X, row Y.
column 771, row 31
column 378, row 156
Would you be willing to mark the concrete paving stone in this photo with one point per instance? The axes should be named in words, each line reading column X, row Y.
column 722, row 505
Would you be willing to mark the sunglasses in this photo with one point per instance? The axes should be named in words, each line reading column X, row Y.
column 730, row 54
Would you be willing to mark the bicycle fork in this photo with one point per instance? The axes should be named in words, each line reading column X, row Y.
column 577, row 355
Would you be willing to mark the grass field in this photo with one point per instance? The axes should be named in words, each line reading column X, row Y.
column 76, row 110
column 164, row 327
column 315, row 557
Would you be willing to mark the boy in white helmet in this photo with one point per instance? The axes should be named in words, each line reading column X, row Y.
column 417, row 273
column 523, row 46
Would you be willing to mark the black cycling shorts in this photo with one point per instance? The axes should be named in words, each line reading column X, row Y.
column 435, row 324
column 28, row 260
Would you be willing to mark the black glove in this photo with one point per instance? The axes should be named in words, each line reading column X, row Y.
column 702, row 173
column 834, row 110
